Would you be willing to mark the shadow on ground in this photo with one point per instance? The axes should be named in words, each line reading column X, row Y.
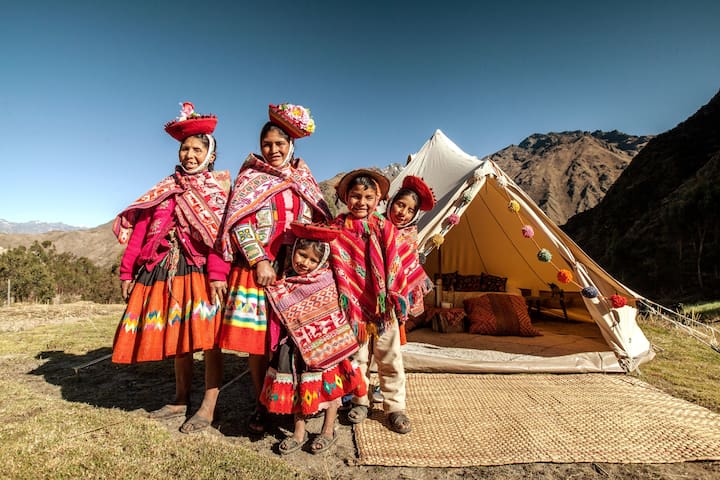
column 146, row 386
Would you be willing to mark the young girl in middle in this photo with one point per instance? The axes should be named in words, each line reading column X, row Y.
column 373, row 290
column 413, row 197
column 310, row 370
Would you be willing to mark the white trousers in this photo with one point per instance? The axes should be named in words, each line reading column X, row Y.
column 385, row 351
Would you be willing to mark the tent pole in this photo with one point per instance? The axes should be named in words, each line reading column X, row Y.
column 438, row 280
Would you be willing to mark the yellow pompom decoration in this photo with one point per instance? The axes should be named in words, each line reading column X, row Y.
column 437, row 239
column 514, row 206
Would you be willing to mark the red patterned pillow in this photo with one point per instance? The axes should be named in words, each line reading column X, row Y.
column 499, row 314
column 448, row 320
column 416, row 322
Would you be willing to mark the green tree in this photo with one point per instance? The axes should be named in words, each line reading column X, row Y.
column 29, row 275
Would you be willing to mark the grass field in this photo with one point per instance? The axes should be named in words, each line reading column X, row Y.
column 58, row 421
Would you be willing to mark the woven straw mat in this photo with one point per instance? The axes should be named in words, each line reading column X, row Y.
column 467, row 420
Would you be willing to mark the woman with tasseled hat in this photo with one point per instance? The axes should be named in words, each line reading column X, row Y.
column 173, row 296
column 272, row 190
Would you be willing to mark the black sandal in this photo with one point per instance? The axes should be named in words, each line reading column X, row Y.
column 256, row 424
column 399, row 422
column 358, row 413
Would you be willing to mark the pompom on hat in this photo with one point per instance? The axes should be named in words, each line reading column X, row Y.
column 294, row 119
column 315, row 231
column 424, row 192
column 341, row 188
column 190, row 123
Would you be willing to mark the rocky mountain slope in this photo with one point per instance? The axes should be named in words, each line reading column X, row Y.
column 568, row 172
column 97, row 244
column 657, row 229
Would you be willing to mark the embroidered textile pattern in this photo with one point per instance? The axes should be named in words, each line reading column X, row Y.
column 308, row 307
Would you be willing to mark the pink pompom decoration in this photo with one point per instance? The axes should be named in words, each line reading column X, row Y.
column 564, row 276
column 453, row 219
column 528, row 231
column 618, row 301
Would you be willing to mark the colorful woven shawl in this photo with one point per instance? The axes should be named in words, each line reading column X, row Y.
column 200, row 201
column 307, row 305
column 371, row 281
column 418, row 282
column 257, row 182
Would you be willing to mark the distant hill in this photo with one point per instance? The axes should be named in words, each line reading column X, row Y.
column 97, row 244
column 569, row 172
column 657, row 229
column 34, row 227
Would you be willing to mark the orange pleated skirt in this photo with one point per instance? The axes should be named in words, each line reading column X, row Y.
column 167, row 317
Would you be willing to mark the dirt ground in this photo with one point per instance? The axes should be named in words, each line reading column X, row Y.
column 142, row 388
column 145, row 387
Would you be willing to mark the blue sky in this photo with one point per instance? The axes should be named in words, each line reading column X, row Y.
column 86, row 86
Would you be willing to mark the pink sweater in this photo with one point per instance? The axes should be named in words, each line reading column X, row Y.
column 147, row 247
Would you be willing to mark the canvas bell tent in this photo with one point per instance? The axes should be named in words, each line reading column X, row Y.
column 485, row 227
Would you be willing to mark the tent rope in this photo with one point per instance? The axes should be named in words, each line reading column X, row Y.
column 702, row 332
column 512, row 243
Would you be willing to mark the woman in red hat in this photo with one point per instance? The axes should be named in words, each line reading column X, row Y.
column 271, row 191
column 173, row 296
column 310, row 370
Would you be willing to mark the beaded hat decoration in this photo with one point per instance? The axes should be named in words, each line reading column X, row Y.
column 190, row 123
column 294, row 119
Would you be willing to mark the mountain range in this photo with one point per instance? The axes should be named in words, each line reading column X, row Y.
column 35, row 227
column 568, row 172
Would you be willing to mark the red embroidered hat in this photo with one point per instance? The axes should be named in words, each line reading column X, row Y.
column 315, row 231
column 425, row 193
column 190, row 123
column 341, row 188
column 294, row 119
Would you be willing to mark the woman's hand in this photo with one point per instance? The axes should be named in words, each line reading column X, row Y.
column 264, row 273
column 126, row 288
column 218, row 290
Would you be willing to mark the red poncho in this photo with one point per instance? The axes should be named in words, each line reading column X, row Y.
column 371, row 281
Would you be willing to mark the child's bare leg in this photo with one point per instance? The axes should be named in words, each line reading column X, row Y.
column 327, row 438
column 328, row 427
column 299, row 432
column 296, row 441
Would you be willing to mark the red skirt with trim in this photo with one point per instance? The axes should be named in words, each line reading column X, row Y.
column 165, row 318
column 289, row 389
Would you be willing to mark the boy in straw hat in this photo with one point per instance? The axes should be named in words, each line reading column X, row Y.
column 373, row 290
